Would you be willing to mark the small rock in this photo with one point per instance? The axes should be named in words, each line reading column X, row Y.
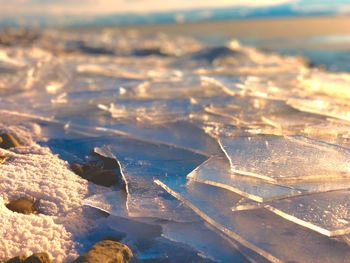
column 38, row 258
column 105, row 178
column 18, row 259
column 77, row 168
column 2, row 159
column 99, row 176
column 22, row 205
column 106, row 251
column 8, row 141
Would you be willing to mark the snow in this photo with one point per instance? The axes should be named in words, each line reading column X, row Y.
column 34, row 171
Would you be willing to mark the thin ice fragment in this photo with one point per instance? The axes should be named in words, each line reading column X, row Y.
column 264, row 232
column 113, row 203
column 281, row 158
column 339, row 110
column 209, row 244
column 327, row 213
column 146, row 241
column 216, row 171
column 293, row 121
column 180, row 134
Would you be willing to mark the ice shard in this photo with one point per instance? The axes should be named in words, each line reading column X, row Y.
column 326, row 213
column 269, row 235
column 216, row 171
column 324, row 107
column 282, row 158
column 207, row 242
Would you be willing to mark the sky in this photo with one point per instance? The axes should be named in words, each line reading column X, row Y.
column 78, row 7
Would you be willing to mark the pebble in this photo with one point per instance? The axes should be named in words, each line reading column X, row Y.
column 8, row 141
column 106, row 171
column 41, row 257
column 18, row 259
column 77, row 168
column 38, row 258
column 2, row 159
column 106, row 251
column 104, row 177
column 22, row 205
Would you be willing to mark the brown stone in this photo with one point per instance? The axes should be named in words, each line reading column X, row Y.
column 77, row 168
column 22, row 205
column 105, row 178
column 18, row 259
column 106, row 251
column 8, row 141
column 38, row 258
column 2, row 159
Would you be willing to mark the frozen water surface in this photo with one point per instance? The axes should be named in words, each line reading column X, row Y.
column 216, row 171
column 217, row 127
column 269, row 235
column 281, row 158
column 208, row 243
column 326, row 213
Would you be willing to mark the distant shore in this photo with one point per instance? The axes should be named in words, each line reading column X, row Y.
column 271, row 28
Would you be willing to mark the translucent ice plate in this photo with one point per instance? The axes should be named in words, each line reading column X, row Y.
column 194, row 234
column 216, row 171
column 338, row 110
column 327, row 213
column 264, row 232
column 281, row 158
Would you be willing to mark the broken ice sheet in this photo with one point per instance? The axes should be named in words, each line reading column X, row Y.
column 196, row 235
column 180, row 134
column 207, row 242
column 113, row 203
column 247, row 111
column 155, row 111
column 269, row 235
column 141, row 163
column 327, row 213
column 333, row 85
column 147, row 244
column 216, row 171
column 186, row 87
column 323, row 106
column 281, row 158
column 331, row 131
column 292, row 121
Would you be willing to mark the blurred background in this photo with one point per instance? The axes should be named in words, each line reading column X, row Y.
column 317, row 30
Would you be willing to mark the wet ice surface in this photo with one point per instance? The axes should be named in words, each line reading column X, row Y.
column 258, row 229
column 216, row 171
column 271, row 158
column 228, row 154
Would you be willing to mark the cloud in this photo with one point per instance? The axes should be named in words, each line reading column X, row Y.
column 118, row 6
